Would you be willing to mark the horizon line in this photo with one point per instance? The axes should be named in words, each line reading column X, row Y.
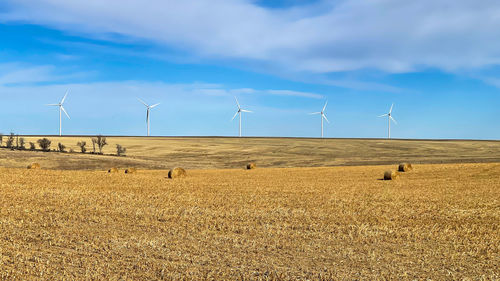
column 258, row 137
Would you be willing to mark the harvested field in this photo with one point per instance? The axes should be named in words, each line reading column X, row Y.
column 218, row 153
column 437, row 222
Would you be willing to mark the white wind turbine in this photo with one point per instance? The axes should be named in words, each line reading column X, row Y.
column 323, row 116
column 389, row 118
column 149, row 107
column 61, row 109
column 240, row 110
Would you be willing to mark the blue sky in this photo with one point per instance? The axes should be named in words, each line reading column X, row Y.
column 438, row 61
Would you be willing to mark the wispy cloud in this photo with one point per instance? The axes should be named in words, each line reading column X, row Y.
column 493, row 81
column 190, row 102
column 295, row 93
column 221, row 91
column 389, row 35
column 18, row 75
column 12, row 74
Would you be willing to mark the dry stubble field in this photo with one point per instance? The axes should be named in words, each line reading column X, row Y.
column 437, row 222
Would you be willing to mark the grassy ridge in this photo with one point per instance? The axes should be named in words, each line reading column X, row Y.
column 213, row 152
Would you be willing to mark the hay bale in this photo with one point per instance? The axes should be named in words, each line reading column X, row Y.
column 113, row 170
column 177, row 173
column 34, row 166
column 251, row 166
column 405, row 167
column 391, row 175
column 131, row 171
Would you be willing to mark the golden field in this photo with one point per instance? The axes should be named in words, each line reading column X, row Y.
column 437, row 222
column 224, row 153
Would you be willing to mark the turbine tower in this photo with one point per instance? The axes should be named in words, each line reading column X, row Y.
column 61, row 109
column 323, row 116
column 389, row 118
column 240, row 110
column 149, row 107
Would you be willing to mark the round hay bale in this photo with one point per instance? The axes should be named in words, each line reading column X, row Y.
column 251, row 166
column 113, row 170
column 177, row 173
column 391, row 175
column 131, row 171
column 34, row 166
column 405, row 167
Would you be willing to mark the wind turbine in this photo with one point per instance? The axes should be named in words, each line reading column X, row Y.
column 323, row 116
column 61, row 109
column 240, row 110
column 389, row 118
column 149, row 107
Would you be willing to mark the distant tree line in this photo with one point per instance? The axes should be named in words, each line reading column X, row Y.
column 14, row 142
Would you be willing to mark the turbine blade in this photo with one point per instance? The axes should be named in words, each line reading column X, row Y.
column 383, row 115
column 64, row 98
column 234, row 116
column 314, row 113
column 390, row 110
column 64, row 110
column 244, row 110
column 324, row 116
column 237, row 102
column 394, row 120
column 53, row 104
column 324, row 107
column 142, row 102
column 154, row 105
column 147, row 115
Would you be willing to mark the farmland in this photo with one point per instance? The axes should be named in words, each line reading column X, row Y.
column 224, row 153
column 436, row 222
column 313, row 209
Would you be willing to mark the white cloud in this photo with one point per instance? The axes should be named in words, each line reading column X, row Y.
column 388, row 35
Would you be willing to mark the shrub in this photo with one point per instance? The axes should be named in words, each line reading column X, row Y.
column 32, row 146
column 1, row 139
column 120, row 150
column 82, row 145
column 10, row 141
column 94, row 141
column 61, row 147
column 44, row 144
column 100, row 141
column 22, row 144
